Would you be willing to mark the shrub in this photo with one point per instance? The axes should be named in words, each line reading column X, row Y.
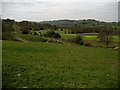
column 52, row 34
column 88, row 44
column 61, row 29
column 35, row 33
column 25, row 32
column 49, row 33
column 41, row 28
column 56, row 35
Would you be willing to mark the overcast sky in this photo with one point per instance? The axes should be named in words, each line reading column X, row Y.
column 43, row 10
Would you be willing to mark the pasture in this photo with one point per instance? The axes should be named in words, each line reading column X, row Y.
column 51, row 65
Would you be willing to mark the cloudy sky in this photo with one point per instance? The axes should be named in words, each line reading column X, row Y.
column 43, row 10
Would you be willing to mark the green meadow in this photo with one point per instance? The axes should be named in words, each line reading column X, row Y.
column 51, row 65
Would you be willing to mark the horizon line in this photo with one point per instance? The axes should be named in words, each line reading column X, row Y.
column 59, row 19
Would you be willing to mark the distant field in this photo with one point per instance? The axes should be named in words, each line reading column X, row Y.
column 91, row 34
column 32, row 38
column 87, row 37
column 66, row 36
column 51, row 65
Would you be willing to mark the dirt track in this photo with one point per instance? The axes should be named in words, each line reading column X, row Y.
column 20, row 39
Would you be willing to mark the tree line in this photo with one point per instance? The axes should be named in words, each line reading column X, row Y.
column 105, row 30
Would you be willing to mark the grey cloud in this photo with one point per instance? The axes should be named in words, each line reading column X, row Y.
column 54, row 10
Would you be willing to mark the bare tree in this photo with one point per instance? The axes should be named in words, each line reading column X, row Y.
column 105, row 35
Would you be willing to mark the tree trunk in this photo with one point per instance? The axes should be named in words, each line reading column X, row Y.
column 107, row 42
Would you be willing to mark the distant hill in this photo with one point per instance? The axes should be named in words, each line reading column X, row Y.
column 71, row 22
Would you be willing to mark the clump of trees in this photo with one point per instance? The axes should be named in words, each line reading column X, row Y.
column 52, row 34
column 25, row 27
column 7, row 28
column 84, row 29
column 94, row 28
column 56, row 35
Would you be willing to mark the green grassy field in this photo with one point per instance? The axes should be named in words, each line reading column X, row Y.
column 32, row 38
column 50, row 65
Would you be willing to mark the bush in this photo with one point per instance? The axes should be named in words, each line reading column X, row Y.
column 35, row 33
column 56, row 35
column 25, row 32
column 88, row 44
column 49, row 33
column 52, row 34
column 78, row 39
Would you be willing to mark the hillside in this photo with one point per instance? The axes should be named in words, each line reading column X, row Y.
column 50, row 65
column 71, row 22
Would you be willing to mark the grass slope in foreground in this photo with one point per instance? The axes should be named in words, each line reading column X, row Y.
column 49, row 65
